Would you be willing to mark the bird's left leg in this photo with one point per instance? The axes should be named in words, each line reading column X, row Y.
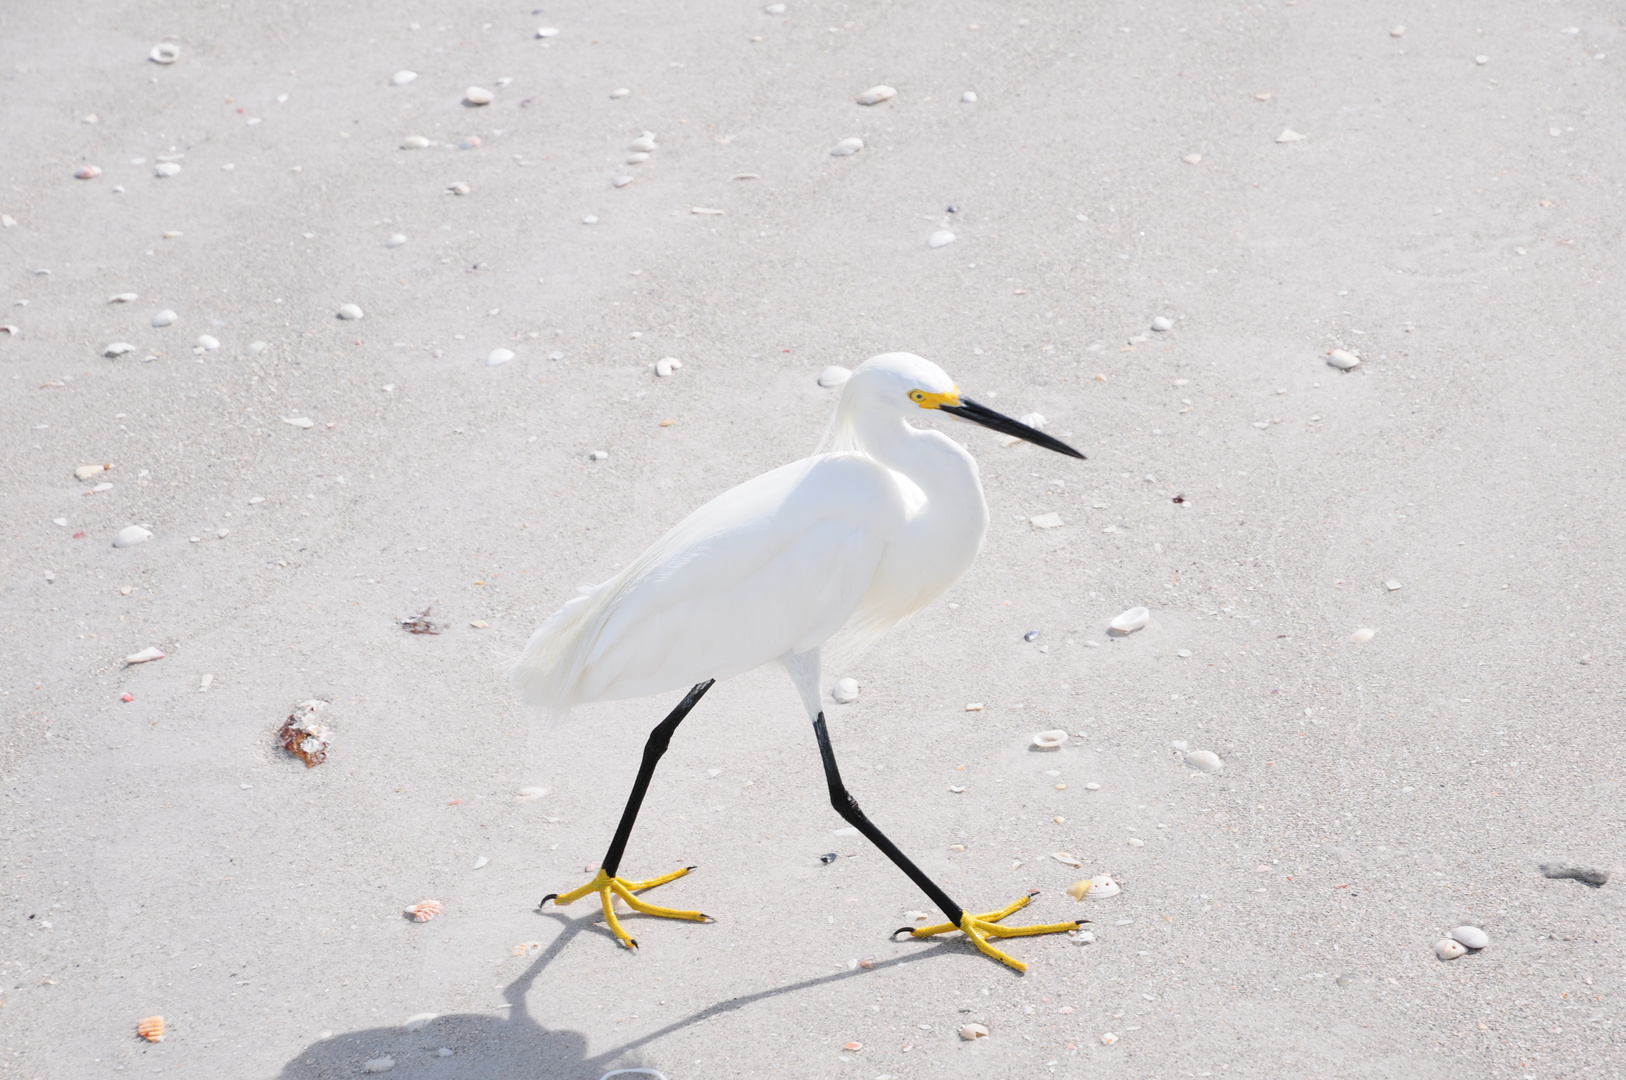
column 979, row 928
column 605, row 882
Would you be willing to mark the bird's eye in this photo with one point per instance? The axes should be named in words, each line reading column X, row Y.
column 917, row 395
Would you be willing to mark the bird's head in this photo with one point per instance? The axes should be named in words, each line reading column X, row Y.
column 905, row 382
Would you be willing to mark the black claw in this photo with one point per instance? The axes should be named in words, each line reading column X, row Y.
column 1080, row 922
column 901, row 930
column 1033, row 892
column 545, row 899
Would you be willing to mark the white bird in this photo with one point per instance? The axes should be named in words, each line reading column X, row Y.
column 858, row 537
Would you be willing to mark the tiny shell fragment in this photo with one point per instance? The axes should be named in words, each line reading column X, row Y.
column 414, row 142
column 940, row 238
column 478, row 95
column 87, row 172
column 349, row 311
column 303, row 736
column 1363, row 635
column 151, row 1028
column 853, row 1047
column 972, row 1032
column 843, row 148
column 118, row 348
column 525, row 948
column 418, row 1021
column 666, row 365
column 401, row 78
column 146, row 655
column 379, row 1064
column 85, row 472
column 1108, row 1038
column 1070, row 859
column 1130, row 621
column 1471, row 936
column 424, row 910
column 875, row 95
column 1289, row 135
column 1206, row 760
column 1046, row 521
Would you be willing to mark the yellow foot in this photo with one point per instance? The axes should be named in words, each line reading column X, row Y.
column 607, row 886
column 979, row 928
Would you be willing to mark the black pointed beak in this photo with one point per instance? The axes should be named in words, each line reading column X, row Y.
column 988, row 418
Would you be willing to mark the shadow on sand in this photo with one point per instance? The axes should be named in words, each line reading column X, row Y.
column 516, row 1046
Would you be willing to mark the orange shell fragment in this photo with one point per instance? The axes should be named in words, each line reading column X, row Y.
column 424, row 910
column 151, row 1029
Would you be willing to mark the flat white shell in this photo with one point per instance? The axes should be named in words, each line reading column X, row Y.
column 1050, row 740
column 208, row 342
column 1471, row 936
column 499, row 356
column 299, row 421
column 145, row 655
column 478, row 95
column 940, row 238
column 164, row 318
column 876, row 94
column 1162, row 324
column 414, row 142
column 1102, row 887
column 118, row 348
column 971, row 1032
column 1130, row 621
column 547, row 31
column 1204, row 760
column 834, row 376
column 642, row 144
column 1342, row 360
column 401, row 78
column 349, row 311
column 1446, row 949
column 847, row 146
column 1363, row 635
column 1046, row 521
column 130, row 536
column 846, row 691
column 395, row 240
column 1289, row 135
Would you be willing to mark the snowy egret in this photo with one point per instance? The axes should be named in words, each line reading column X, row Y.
column 858, row 537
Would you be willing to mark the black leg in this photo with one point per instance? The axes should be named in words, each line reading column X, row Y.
column 656, row 746
column 847, row 807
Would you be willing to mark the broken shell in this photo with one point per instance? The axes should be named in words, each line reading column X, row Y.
column 1342, row 359
column 414, row 142
column 1289, row 135
column 151, row 652
column 87, row 172
column 459, row 188
column 85, row 472
column 1078, row 890
column 1471, row 936
column 1363, row 635
column 1068, row 858
column 527, row 794
column 1050, row 740
column 499, row 356
column 1108, row 1038
column 1130, row 621
column 349, row 312
column 395, row 240
column 401, row 78
column 854, row 1047
column 547, row 31
column 1446, row 949
column 834, row 376
column 940, row 238
column 478, row 95
column 118, row 348
column 151, row 1028
column 875, row 95
column 666, row 365
column 972, row 1032
column 130, row 536
column 525, row 948
column 1102, row 887
column 424, row 910
column 643, row 144
column 845, row 691
column 841, row 149
column 621, row 181
column 165, row 317
column 1083, row 937
column 167, row 168
column 1206, row 760
column 164, row 53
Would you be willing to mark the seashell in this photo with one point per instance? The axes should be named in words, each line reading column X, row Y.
column 666, row 365
column 1130, row 621
column 1103, row 887
column 637, row 159
column 469, row 142
column 774, row 9
column 1162, row 324
column 969, row 97
column 1078, row 890
column 459, row 188
column 1590, row 876
column 527, row 794
column 621, row 181
column 875, row 95
column 1342, row 359
column 940, row 238
column 643, row 144
column 379, row 1064
column 1068, row 858
column 1363, row 635
column 401, row 78
column 478, row 95
column 1392, row 585
column 418, row 1021
column 1046, row 521
column 1289, row 135
column 85, row 472
column 845, row 691
column 834, row 376
column 616, row 95
column 299, row 421
column 1135, row 841
column 1192, row 159
column 1034, row 420
column 151, row 1028
column 525, row 948
column 481, row 862
column 130, row 536
column 956, row 789
column 349, row 312
column 118, row 348
column 1092, row 786
column 1053, row 739
column 846, row 147
column 208, row 342
column 973, row 706
column 547, row 31
column 165, row 52
column 499, row 356
column 87, row 172
column 854, row 1047
column 1108, row 1038
column 1471, row 936
column 414, row 142
column 1446, row 949
column 152, row 652
column 395, row 240
column 599, row 455
column 165, row 317
column 167, row 168
column 123, row 298
column 424, row 910
column 972, row 1032
column 1206, row 760
column 712, row 211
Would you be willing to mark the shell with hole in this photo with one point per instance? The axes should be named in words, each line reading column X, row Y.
column 1053, row 739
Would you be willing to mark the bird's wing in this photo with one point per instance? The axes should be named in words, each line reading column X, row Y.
column 775, row 565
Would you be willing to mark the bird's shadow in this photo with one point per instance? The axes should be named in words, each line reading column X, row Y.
column 516, row 1044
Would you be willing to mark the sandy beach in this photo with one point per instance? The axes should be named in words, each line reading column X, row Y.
column 1386, row 596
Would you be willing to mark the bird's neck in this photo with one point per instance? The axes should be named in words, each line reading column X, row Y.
column 942, row 470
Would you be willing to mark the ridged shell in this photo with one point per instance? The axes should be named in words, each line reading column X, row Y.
column 151, row 1029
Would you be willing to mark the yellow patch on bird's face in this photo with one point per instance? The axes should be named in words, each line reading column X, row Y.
column 935, row 401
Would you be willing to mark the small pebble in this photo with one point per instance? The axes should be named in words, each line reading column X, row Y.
column 349, row 312
column 621, row 181
column 969, row 97
column 164, row 318
column 599, row 455
column 940, row 238
column 165, row 53
column 1363, row 635
column 145, row 656
column 118, row 348
column 1447, row 949
column 1130, row 621
column 87, row 172
column 208, row 342
column 834, row 376
column 130, row 536
column 414, row 142
column 1204, row 760
column 1162, row 324
column 1071, row 860
column 1471, row 936
column 167, row 168
column 395, row 240
column 666, row 365
column 478, row 95
column 459, row 188
column 547, row 31
column 841, row 149
column 1289, row 135
column 1392, row 585
column 401, row 78
column 875, row 95
column 972, row 1032
column 499, row 356
column 845, row 692
column 621, row 93
column 1031, row 635
column 1342, row 359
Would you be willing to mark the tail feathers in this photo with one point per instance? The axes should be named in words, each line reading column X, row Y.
column 546, row 673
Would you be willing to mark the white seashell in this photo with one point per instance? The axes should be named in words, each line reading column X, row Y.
column 130, row 536
column 528, row 794
column 1192, row 159
column 834, row 376
column 395, row 240
column 1135, row 841
column 1130, row 621
column 621, row 181
column 85, row 472
column 972, row 1032
column 1399, row 31
column 1363, row 635
column 164, row 318
column 775, row 9
column 1471, row 936
column 478, row 95
column 1183, row 653
column 118, row 348
column 845, row 691
column 599, row 455
column 481, row 862
column 459, row 188
column 1205, row 760
column 499, row 356
column 637, row 159
column 643, row 144
column 208, row 342
column 87, row 172
column 1481, row 60
column 417, row 1022
column 1108, row 1038
column 1446, row 949
column 1342, row 360
column 1067, row 857
column 1092, row 786
column 969, row 97
column 666, row 365
column 401, row 78
column 1050, row 740
column 1034, row 420
column 1289, row 135
column 165, row 53
column 414, row 142
column 167, row 168
column 875, row 95
column 1046, row 521
column 1103, row 887
column 145, row 655
column 379, row 1064
column 299, row 421
column 616, row 95
column 123, row 298
column 940, row 238
column 1161, row 324
column 846, row 147
column 547, row 31
column 349, row 312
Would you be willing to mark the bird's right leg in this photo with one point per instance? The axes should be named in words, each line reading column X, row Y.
column 605, row 882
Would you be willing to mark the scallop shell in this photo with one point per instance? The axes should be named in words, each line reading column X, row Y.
column 1102, row 887
column 1053, row 739
column 1078, row 890
column 424, row 910
column 1447, row 949
column 1130, row 621
column 1206, row 760
column 151, row 1028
